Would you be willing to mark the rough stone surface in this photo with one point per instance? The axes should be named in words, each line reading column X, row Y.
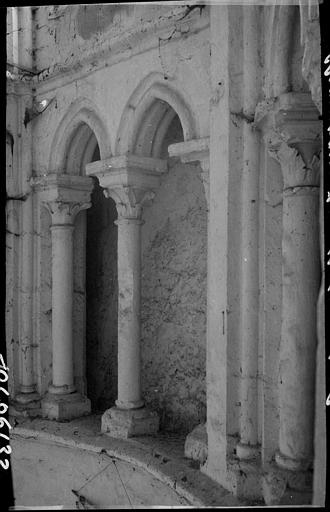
column 173, row 313
column 65, row 407
column 129, row 423
column 195, row 446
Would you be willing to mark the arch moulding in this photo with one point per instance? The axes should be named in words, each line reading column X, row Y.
column 135, row 113
column 82, row 111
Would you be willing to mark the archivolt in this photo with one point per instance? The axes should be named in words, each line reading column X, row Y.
column 74, row 133
column 147, row 116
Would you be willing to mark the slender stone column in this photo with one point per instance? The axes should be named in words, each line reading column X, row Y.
column 130, row 182
column 64, row 197
column 300, row 288
column 129, row 205
column 27, row 378
column 248, row 447
column 62, row 293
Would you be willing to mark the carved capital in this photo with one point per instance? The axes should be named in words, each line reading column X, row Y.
column 63, row 212
column 297, row 171
column 130, row 200
column 63, row 195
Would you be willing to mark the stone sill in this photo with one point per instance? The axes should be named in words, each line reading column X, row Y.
column 161, row 455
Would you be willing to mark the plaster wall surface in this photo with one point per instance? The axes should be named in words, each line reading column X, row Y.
column 62, row 37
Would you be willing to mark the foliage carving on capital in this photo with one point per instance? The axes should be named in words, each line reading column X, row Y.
column 296, row 172
column 65, row 212
column 130, row 200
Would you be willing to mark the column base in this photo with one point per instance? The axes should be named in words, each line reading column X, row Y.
column 26, row 405
column 247, row 451
column 284, row 487
column 125, row 423
column 290, row 464
column 252, row 480
column 245, row 478
column 65, row 407
column 195, row 446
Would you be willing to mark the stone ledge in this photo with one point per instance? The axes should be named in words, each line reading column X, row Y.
column 161, row 456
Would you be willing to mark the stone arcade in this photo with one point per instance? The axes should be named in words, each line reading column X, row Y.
column 163, row 251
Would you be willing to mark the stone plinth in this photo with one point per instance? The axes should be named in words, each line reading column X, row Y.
column 195, row 446
column 63, row 407
column 129, row 423
column 25, row 405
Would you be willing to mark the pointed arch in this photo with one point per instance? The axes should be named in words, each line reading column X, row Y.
column 82, row 114
column 148, row 108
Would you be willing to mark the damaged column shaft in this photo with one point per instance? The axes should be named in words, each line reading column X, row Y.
column 129, row 263
column 301, row 282
column 62, row 294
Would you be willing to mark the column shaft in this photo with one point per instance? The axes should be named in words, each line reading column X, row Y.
column 62, row 293
column 27, row 384
column 301, row 282
column 250, row 299
column 129, row 263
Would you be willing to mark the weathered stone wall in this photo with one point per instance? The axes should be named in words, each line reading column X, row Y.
column 173, row 313
column 63, row 36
